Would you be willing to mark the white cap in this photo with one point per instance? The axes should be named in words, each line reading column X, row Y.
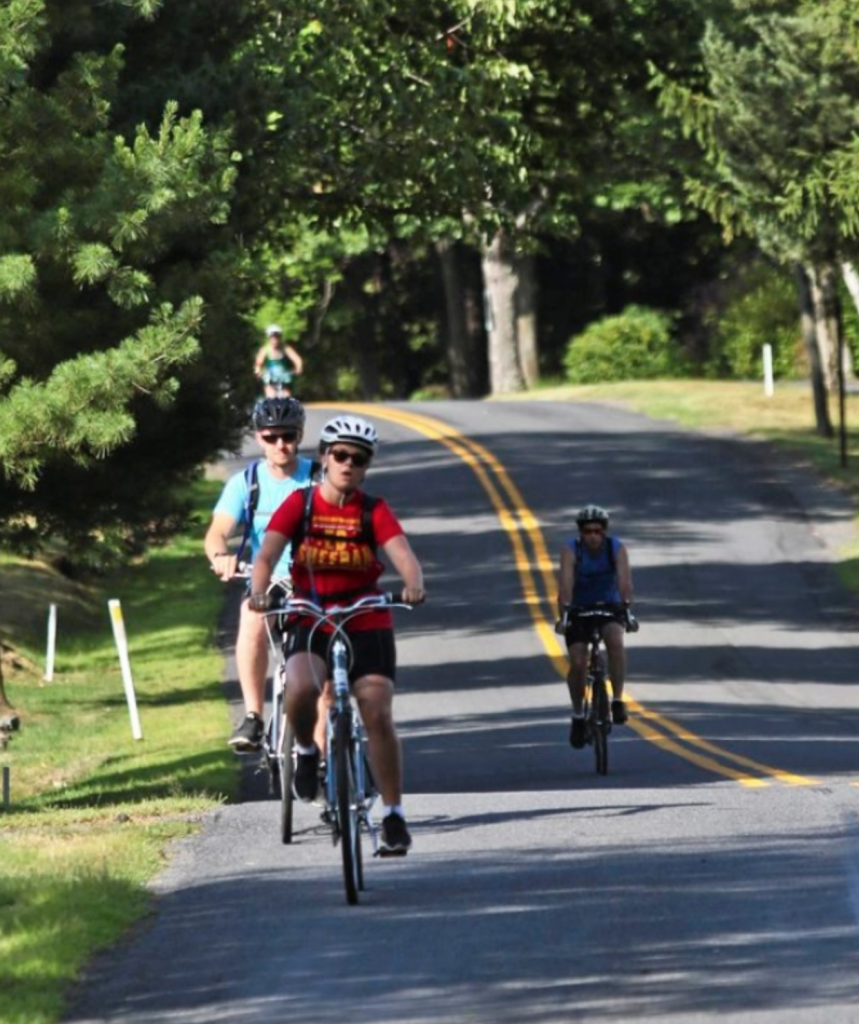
column 273, row 329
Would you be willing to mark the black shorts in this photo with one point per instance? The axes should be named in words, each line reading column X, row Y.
column 579, row 630
column 373, row 652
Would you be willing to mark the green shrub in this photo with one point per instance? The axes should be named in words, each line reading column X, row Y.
column 637, row 344
column 762, row 310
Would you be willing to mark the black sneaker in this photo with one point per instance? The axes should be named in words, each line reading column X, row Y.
column 305, row 781
column 249, row 734
column 618, row 712
column 395, row 839
column 578, row 733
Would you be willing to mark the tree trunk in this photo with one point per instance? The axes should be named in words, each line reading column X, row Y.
column 365, row 327
column 526, row 321
column 824, row 294
column 4, row 700
column 501, row 282
column 851, row 279
column 458, row 340
column 475, row 319
column 823, row 424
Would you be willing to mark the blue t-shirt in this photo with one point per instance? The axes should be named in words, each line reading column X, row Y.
column 596, row 574
column 272, row 493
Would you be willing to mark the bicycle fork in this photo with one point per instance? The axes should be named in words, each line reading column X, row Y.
column 342, row 706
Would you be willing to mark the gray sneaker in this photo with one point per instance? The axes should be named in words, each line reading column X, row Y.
column 395, row 839
column 248, row 736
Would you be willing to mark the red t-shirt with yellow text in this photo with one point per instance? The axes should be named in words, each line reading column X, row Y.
column 333, row 564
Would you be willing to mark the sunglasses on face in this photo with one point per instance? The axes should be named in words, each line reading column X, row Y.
column 358, row 459
column 593, row 529
column 287, row 437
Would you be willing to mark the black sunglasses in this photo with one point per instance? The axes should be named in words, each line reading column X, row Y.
column 288, row 437
column 358, row 459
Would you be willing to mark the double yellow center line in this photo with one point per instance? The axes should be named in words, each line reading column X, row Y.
column 537, row 578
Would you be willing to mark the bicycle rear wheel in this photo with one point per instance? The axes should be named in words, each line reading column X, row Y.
column 347, row 808
column 286, row 761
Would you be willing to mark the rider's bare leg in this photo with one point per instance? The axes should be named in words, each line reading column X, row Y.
column 252, row 653
column 613, row 638
column 305, row 674
column 375, row 696
column 577, row 676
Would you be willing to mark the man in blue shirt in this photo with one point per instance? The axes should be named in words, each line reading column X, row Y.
column 279, row 427
column 594, row 570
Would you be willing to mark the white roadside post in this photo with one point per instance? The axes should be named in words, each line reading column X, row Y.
column 125, row 664
column 768, row 370
column 52, row 643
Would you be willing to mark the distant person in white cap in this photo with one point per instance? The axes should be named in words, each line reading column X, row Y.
column 276, row 364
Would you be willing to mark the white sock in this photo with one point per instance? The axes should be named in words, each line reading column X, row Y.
column 306, row 750
column 393, row 809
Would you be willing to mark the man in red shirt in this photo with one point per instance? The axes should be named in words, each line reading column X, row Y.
column 334, row 562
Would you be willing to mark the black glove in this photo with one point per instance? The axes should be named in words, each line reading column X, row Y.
column 261, row 602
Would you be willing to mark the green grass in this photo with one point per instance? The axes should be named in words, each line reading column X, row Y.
column 92, row 808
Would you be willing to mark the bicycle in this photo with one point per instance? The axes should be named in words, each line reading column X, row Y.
column 349, row 791
column 277, row 386
column 597, row 708
column 278, row 739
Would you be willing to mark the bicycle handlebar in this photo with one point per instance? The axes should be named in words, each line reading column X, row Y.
column 370, row 602
column 602, row 610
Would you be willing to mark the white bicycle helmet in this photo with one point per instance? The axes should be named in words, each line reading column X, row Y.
column 592, row 514
column 349, row 430
column 273, row 329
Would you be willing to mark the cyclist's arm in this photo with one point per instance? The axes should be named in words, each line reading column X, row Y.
column 259, row 362
column 404, row 560
column 566, row 579
column 624, row 575
column 295, row 358
column 216, row 545
column 266, row 559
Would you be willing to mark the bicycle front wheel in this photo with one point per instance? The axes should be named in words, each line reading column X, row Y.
column 287, row 769
column 600, row 725
column 347, row 808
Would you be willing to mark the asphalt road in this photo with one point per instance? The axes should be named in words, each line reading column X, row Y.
column 713, row 874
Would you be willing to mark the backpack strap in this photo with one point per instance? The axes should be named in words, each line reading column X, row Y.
column 366, row 536
column 251, row 502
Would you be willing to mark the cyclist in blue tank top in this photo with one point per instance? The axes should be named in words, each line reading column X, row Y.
column 594, row 570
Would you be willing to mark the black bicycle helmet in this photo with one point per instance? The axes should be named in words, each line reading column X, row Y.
column 592, row 514
column 284, row 413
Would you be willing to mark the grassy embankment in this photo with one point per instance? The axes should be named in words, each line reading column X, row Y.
column 92, row 810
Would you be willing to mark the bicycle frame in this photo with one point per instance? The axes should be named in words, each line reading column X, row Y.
column 596, row 706
column 277, row 739
column 349, row 791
